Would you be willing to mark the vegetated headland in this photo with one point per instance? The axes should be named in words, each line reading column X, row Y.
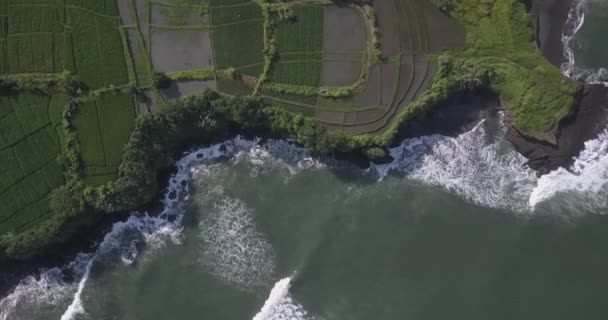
column 90, row 129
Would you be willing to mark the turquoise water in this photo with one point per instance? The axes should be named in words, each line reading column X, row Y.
column 585, row 41
column 454, row 228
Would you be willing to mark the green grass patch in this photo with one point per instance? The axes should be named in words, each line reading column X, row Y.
column 103, row 128
column 206, row 74
column 499, row 38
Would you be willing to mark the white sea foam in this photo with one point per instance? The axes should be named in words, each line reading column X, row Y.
column 574, row 23
column 280, row 305
column 234, row 251
column 478, row 165
column 584, row 188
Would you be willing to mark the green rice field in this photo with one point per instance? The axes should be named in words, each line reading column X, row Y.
column 300, row 44
column 237, row 35
column 30, row 143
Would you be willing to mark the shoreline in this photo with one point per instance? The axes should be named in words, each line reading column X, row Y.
column 451, row 117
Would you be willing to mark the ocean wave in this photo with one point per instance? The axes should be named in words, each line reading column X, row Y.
column 280, row 305
column 479, row 165
column 574, row 23
column 584, row 187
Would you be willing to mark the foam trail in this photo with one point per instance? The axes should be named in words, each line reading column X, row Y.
column 234, row 251
column 574, row 23
column 76, row 307
column 280, row 305
column 586, row 183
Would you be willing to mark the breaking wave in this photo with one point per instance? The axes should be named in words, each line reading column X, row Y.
column 583, row 188
column 479, row 165
column 574, row 23
column 280, row 305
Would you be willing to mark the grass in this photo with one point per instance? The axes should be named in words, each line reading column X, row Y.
column 499, row 37
column 237, row 39
column 29, row 147
column 103, row 128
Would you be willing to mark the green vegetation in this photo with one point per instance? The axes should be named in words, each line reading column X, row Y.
column 30, row 143
column 237, row 33
column 499, row 39
column 71, row 144
column 300, row 43
column 103, row 127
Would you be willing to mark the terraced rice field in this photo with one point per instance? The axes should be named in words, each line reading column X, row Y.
column 237, row 35
column 30, row 142
column 300, row 44
column 48, row 36
column 103, row 128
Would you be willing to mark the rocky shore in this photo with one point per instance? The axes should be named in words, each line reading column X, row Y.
column 590, row 115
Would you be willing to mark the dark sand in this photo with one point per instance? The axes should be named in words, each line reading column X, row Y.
column 549, row 18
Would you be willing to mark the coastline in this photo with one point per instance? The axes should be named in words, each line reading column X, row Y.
column 450, row 117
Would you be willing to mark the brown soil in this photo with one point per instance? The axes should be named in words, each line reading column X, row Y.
column 370, row 96
column 342, row 30
column 387, row 27
column 340, row 73
column 443, row 32
column 389, row 77
column 179, row 50
column 329, row 117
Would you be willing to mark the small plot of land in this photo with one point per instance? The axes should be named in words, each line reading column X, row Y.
column 300, row 42
column 33, row 38
column 181, row 49
column 237, row 34
column 97, row 44
column 177, row 14
column 103, row 129
column 51, row 36
column 30, row 141
column 343, row 45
